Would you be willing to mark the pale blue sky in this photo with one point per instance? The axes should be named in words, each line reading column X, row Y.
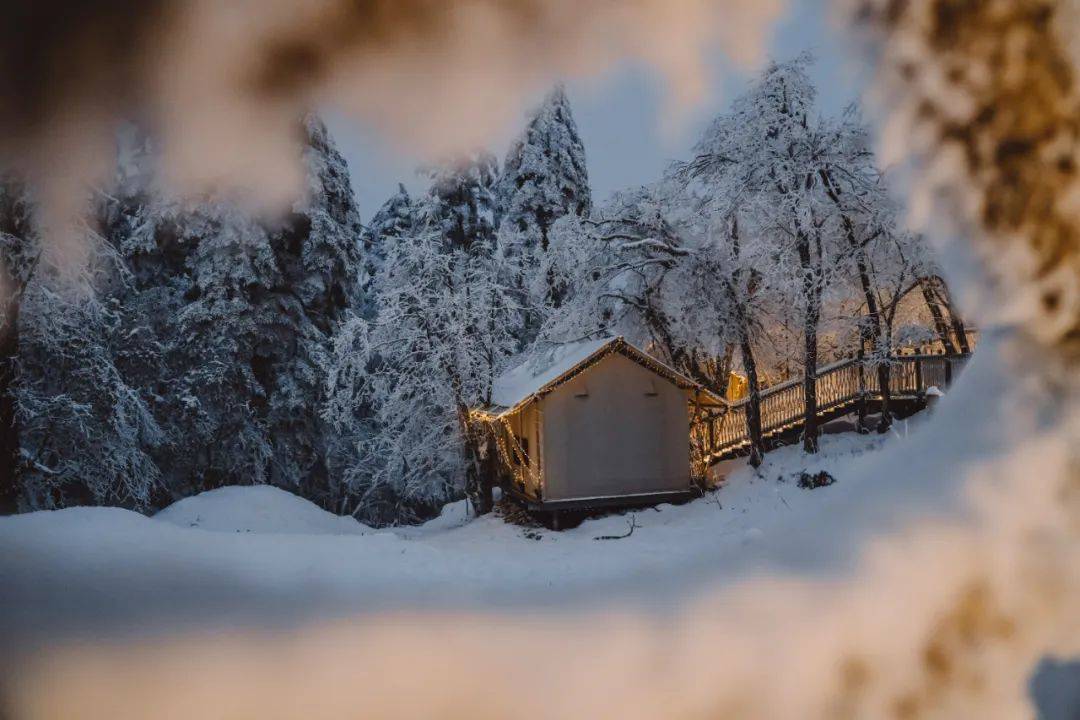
column 621, row 118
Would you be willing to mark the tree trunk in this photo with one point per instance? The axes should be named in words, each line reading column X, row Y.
column 746, row 349
column 483, row 498
column 861, row 411
column 812, row 295
column 810, row 418
column 959, row 330
column 870, row 334
column 753, row 400
column 478, row 489
column 490, row 471
column 478, row 484
column 884, row 374
column 933, row 304
column 870, row 331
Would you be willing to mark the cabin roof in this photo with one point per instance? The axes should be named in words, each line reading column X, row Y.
column 541, row 371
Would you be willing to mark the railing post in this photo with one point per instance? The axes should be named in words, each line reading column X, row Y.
column 919, row 389
column 948, row 371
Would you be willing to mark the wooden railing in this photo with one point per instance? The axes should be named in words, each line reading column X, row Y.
column 722, row 433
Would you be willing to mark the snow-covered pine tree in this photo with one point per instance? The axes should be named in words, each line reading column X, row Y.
column 544, row 175
column 461, row 203
column 19, row 251
column 155, row 237
column 544, row 178
column 254, row 332
column 219, row 379
column 236, row 319
column 86, row 433
column 394, row 220
column 319, row 254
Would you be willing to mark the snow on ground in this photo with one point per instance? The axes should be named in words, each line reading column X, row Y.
column 744, row 508
column 258, row 509
column 230, row 552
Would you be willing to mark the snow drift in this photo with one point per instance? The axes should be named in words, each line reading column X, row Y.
column 257, row 509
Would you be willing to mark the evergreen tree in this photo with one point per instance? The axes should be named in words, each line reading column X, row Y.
column 394, row 220
column 19, row 252
column 544, row 179
column 321, row 261
column 461, row 204
column 86, row 434
column 226, row 325
column 253, row 334
column 544, row 175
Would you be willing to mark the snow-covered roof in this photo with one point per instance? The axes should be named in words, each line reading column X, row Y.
column 544, row 367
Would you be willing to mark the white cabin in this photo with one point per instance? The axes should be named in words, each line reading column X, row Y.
column 592, row 424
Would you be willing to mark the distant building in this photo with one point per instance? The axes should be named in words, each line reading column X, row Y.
column 597, row 423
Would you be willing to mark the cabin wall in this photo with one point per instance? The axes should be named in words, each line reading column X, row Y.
column 525, row 426
column 615, row 429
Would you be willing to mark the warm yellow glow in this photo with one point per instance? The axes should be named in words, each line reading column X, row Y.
column 738, row 386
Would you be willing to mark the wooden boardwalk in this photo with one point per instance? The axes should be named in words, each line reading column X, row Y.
column 720, row 432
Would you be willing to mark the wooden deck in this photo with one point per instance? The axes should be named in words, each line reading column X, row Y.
column 721, row 433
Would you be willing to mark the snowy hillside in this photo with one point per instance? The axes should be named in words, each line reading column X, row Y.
column 239, row 548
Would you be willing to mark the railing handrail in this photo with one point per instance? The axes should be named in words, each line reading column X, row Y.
column 835, row 395
column 838, row 365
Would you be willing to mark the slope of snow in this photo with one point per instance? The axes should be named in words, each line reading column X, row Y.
column 257, row 509
column 250, row 552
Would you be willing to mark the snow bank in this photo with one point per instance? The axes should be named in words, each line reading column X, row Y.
column 257, row 509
